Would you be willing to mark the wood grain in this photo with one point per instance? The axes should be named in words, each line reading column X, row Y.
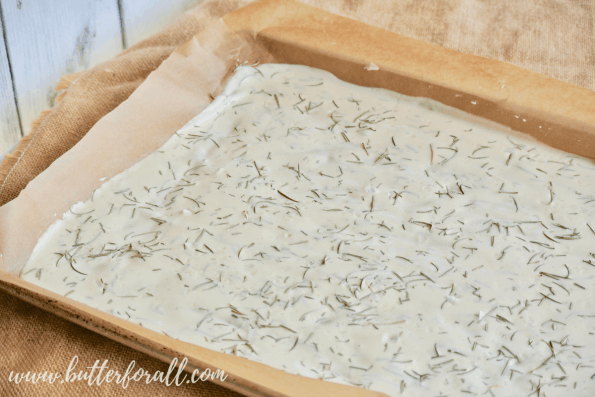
column 47, row 39
column 10, row 130
column 142, row 18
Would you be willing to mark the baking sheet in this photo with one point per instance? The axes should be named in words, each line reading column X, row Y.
column 284, row 31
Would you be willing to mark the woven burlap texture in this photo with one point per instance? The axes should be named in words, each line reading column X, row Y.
column 552, row 37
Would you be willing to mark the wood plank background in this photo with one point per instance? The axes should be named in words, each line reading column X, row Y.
column 10, row 129
column 42, row 40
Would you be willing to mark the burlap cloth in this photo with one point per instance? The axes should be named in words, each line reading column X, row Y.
column 552, row 37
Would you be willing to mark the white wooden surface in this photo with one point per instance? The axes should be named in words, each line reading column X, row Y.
column 10, row 131
column 45, row 39
column 142, row 18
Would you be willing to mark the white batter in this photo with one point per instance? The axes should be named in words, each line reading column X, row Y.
column 350, row 234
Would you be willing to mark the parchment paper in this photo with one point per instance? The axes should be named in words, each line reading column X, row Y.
column 283, row 31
